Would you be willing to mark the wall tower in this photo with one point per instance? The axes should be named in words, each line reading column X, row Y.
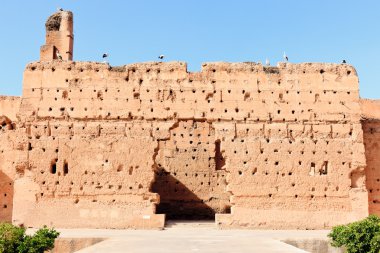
column 59, row 37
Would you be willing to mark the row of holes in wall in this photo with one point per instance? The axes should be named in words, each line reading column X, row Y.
column 92, row 176
column 322, row 170
column 275, row 116
column 220, row 96
column 65, row 169
column 271, row 70
column 7, row 192
column 203, row 179
column 281, row 135
column 99, row 94
column 53, row 169
column 254, row 132
column 183, row 180
column 94, row 184
column 258, row 138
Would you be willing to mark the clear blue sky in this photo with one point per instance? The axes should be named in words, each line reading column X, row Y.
column 199, row 31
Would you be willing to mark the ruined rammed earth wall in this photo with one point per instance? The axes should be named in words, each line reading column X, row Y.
column 10, row 106
column 273, row 147
column 371, row 129
column 11, row 157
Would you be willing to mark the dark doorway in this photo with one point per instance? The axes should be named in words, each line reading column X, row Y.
column 189, row 177
column 177, row 201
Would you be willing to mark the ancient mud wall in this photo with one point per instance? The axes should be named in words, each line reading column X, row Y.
column 9, row 107
column 275, row 147
column 11, row 153
column 59, row 40
column 190, row 177
column 371, row 130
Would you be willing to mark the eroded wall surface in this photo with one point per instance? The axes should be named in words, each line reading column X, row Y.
column 190, row 177
column 9, row 107
column 263, row 147
column 12, row 154
column 371, row 130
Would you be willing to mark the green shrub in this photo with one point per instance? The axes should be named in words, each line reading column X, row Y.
column 358, row 237
column 10, row 237
column 14, row 239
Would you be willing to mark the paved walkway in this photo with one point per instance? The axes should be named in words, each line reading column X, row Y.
column 194, row 237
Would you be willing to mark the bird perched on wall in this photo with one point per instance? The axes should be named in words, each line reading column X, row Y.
column 285, row 57
column 59, row 56
column 105, row 56
column 161, row 56
column 267, row 62
column 344, row 61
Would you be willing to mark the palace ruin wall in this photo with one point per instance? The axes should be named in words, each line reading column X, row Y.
column 90, row 145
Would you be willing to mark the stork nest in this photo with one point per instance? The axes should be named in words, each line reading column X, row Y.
column 54, row 22
column 271, row 70
column 118, row 69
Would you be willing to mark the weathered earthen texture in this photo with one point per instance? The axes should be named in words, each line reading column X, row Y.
column 10, row 106
column 59, row 37
column 371, row 129
column 264, row 147
column 89, row 145
column 190, row 177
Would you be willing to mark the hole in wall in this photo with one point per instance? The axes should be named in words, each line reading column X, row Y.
column 53, row 166
column 324, row 168
column 312, row 169
column 65, row 168
column 65, row 94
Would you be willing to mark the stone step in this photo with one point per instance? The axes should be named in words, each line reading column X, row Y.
column 190, row 224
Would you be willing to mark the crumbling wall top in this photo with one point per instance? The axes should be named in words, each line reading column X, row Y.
column 282, row 67
column 213, row 67
column 370, row 109
column 54, row 22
